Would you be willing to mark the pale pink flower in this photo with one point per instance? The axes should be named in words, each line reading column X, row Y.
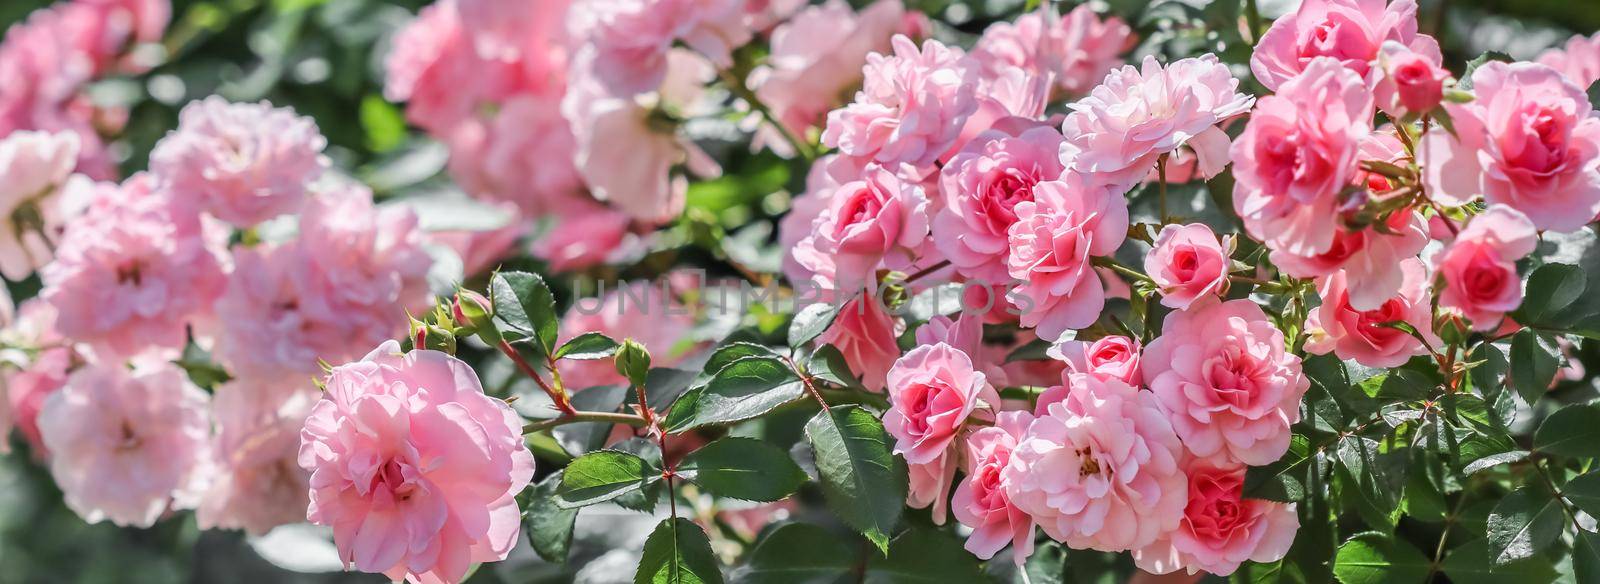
column 1347, row 31
column 1361, row 335
column 1368, row 257
column 1076, row 49
column 879, row 219
column 1229, row 381
column 1530, row 141
column 132, row 273
column 1099, row 470
column 525, row 30
column 584, row 233
column 1297, row 152
column 522, row 154
column 933, row 390
column 965, row 334
column 624, row 43
column 43, row 72
column 39, row 376
column 981, row 187
column 1221, row 529
column 259, row 484
column 1137, row 114
column 241, row 162
column 1579, row 59
column 436, row 69
column 1189, row 264
column 1113, row 356
column 982, row 501
column 1408, row 82
column 1069, row 222
column 483, row 249
column 127, row 446
column 1479, row 268
column 795, row 226
column 638, row 310
column 34, row 168
column 865, row 333
column 911, row 107
column 414, row 467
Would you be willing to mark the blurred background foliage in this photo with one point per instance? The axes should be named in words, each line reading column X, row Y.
column 324, row 58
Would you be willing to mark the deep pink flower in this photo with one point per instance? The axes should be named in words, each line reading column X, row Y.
column 911, row 107
column 127, row 446
column 1408, row 82
column 1189, row 264
column 1297, row 153
column 981, row 187
column 414, row 467
column 865, row 333
column 1368, row 257
column 1361, row 335
column 34, row 171
column 1229, row 381
column 1530, row 141
column 1099, row 470
column 982, row 501
column 1075, row 50
column 1138, row 114
column 259, row 484
column 637, row 310
column 879, row 219
column 1347, row 31
column 1069, row 222
column 1579, row 59
column 1221, row 529
column 1479, row 268
column 241, row 162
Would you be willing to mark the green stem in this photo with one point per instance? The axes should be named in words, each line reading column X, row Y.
column 1107, row 262
column 737, row 86
column 582, row 416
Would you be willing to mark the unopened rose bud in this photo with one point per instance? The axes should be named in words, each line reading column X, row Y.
column 633, row 361
column 1409, row 83
column 470, row 309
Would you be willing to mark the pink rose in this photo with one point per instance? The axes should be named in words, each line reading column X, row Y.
column 1530, row 141
column 241, row 162
column 933, row 390
column 107, row 30
column 866, row 334
column 259, row 483
column 1479, row 268
column 585, row 234
column 127, row 445
column 27, row 387
column 1368, row 257
column 1225, row 373
column 911, row 107
column 1360, row 335
column 624, row 43
column 1408, row 82
column 1221, row 529
column 132, row 273
column 34, row 168
column 1113, row 356
column 795, row 226
column 636, row 310
column 877, row 219
column 965, row 334
column 413, row 466
column 1076, row 50
column 1099, row 470
column 1189, row 264
column 1297, row 152
column 522, row 154
column 436, row 69
column 981, row 187
column 982, row 501
column 1138, row 114
column 1069, row 222
column 1347, row 31
column 1579, row 59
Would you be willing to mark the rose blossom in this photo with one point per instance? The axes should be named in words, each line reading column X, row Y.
column 636, row 310
column 1138, row 114
column 933, row 390
column 1347, row 31
column 132, row 273
column 982, row 502
column 1579, row 59
column 1479, row 268
column 584, row 233
column 259, row 483
column 1233, row 388
column 1530, row 140
column 877, row 219
column 34, row 167
column 413, row 466
column 127, row 445
column 1069, row 222
column 911, row 107
column 1221, row 528
column 866, row 334
column 1076, row 49
column 38, row 376
column 522, row 154
column 981, row 187
column 1189, row 264
column 1099, row 470
column 1368, row 257
column 241, row 162
column 1408, row 82
column 624, row 43
column 1360, row 335
column 965, row 334
column 1112, row 356
column 1297, row 152
column 436, row 69
column 795, row 226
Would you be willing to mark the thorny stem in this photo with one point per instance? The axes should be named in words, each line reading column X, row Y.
column 557, row 396
column 810, row 387
column 1161, row 173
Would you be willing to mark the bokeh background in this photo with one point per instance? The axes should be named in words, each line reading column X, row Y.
column 324, row 59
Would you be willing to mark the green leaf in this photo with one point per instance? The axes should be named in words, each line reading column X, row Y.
column 746, row 388
column 643, row 499
column 924, row 555
column 743, row 468
column 1524, row 523
column 797, row 553
column 1031, row 351
column 731, row 352
column 1279, row 572
column 1376, row 480
column 1586, row 552
column 603, row 475
column 1375, row 558
column 1571, row 431
column 829, row 365
column 862, row 479
column 1281, row 480
column 1584, row 491
column 811, row 321
column 1551, row 289
column 588, row 346
column 1489, row 375
column 1493, row 460
column 1469, row 564
column 548, row 526
column 677, row 552
column 1465, row 83
column 383, row 122
column 524, row 308
column 1533, row 364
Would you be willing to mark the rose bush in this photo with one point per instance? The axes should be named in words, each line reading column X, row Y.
column 770, row 290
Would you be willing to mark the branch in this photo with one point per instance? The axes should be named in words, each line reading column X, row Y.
column 581, row 416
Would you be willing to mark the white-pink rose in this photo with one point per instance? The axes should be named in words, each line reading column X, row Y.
column 982, row 501
column 981, row 187
column 1076, row 49
column 34, row 169
column 259, row 484
column 1579, row 59
column 879, row 219
column 911, row 107
column 243, row 163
